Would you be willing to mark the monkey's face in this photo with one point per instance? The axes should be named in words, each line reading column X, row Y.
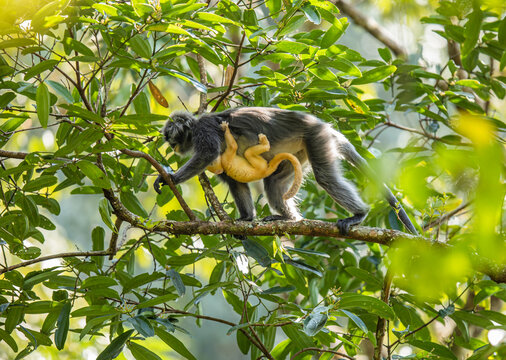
column 179, row 136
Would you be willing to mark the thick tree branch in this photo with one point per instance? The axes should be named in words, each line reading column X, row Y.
column 496, row 272
column 371, row 26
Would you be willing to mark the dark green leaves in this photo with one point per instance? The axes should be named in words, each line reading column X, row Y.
column 40, row 183
column 94, row 173
column 62, row 326
column 369, row 303
column 43, row 104
column 115, row 347
column 174, row 343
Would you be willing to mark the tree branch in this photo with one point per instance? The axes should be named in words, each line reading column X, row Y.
column 388, row 237
column 371, row 26
column 54, row 256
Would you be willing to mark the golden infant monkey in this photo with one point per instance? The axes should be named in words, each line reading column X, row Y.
column 252, row 166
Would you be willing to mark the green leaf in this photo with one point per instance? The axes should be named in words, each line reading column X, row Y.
column 108, row 9
column 30, row 209
column 472, row 31
column 300, row 265
column 62, row 326
column 174, row 343
column 43, row 99
column 501, row 34
column 142, row 8
column 140, row 280
column 157, row 300
column 331, row 35
column 9, row 340
column 306, row 251
column 132, row 203
column 78, row 47
column 358, row 321
column 93, row 172
column 36, row 277
column 257, row 252
column 375, row 74
column 15, row 315
column 176, row 280
column 299, row 339
column 40, row 67
column 216, row 19
column 279, row 289
column 291, row 47
column 142, row 325
column 75, row 110
column 314, row 323
column 105, row 210
column 364, row 276
column 368, row 303
column 16, row 43
column 141, row 46
column 98, row 281
column 61, row 90
column 141, row 353
column 181, row 260
column 115, row 347
column 40, row 183
column 312, row 14
column 197, row 84
column 346, row 66
column 433, row 348
column 6, row 98
column 274, row 7
column 98, row 243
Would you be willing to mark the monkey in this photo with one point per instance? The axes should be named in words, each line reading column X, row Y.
column 252, row 166
column 312, row 141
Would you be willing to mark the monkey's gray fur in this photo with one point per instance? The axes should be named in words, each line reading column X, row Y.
column 303, row 135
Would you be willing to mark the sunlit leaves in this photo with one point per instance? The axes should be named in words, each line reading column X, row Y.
column 43, row 104
column 376, row 74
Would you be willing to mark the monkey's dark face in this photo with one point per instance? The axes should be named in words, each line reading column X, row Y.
column 178, row 134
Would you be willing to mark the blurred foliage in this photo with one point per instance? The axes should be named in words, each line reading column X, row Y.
column 73, row 94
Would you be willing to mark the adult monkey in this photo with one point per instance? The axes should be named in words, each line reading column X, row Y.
column 305, row 136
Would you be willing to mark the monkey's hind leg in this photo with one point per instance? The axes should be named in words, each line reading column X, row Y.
column 275, row 186
column 231, row 149
column 327, row 174
column 252, row 154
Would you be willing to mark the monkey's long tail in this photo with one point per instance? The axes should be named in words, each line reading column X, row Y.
column 352, row 156
column 297, row 179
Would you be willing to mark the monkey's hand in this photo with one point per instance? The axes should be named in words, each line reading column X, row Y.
column 159, row 182
column 224, row 125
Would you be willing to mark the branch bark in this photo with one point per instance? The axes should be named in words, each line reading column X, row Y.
column 371, row 26
column 388, row 237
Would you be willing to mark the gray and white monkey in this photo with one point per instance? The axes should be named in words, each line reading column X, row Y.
column 303, row 135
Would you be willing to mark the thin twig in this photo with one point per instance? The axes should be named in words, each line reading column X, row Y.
column 321, row 350
column 54, row 256
column 234, row 74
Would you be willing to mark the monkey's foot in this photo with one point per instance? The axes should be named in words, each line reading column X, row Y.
column 344, row 224
column 262, row 139
column 224, row 125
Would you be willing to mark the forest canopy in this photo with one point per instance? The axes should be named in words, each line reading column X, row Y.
column 96, row 265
